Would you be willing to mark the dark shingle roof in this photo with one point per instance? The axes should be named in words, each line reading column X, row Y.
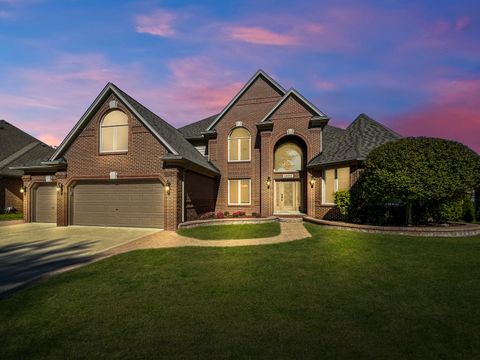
column 33, row 157
column 171, row 135
column 195, row 129
column 17, row 148
column 354, row 143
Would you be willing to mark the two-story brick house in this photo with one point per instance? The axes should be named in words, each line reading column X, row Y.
column 270, row 151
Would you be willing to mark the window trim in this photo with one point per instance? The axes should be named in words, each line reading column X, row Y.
column 114, row 142
column 239, row 192
column 335, row 186
column 239, row 145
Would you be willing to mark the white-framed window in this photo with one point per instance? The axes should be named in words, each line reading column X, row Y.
column 239, row 191
column 333, row 180
column 114, row 132
column 239, row 145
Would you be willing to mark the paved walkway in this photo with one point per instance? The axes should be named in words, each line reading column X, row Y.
column 167, row 239
column 29, row 252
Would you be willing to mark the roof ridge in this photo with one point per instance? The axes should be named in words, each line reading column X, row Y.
column 368, row 118
column 244, row 88
column 301, row 97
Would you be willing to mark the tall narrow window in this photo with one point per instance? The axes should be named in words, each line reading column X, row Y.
column 334, row 180
column 239, row 192
column 239, row 142
column 114, row 132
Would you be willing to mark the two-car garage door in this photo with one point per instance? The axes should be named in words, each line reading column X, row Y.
column 120, row 204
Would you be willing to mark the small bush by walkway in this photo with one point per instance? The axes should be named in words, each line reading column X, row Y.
column 224, row 232
column 7, row 217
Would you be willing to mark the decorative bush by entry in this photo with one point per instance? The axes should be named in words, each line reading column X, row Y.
column 419, row 177
column 342, row 200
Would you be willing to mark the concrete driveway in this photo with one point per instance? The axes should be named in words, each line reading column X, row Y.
column 29, row 252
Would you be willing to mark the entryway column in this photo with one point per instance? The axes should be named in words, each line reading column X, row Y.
column 266, row 164
column 62, row 196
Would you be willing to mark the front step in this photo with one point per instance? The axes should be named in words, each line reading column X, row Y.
column 292, row 219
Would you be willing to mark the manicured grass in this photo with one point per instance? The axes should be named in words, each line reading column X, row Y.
column 338, row 295
column 16, row 216
column 243, row 231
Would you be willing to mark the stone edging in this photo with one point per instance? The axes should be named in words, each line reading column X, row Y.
column 457, row 231
column 229, row 221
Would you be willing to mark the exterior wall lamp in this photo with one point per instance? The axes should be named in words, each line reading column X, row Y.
column 168, row 187
column 23, row 189
column 268, row 182
column 312, row 182
column 60, row 188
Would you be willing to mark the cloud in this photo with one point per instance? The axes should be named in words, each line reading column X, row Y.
column 159, row 23
column 197, row 87
column 260, row 35
column 50, row 139
column 453, row 113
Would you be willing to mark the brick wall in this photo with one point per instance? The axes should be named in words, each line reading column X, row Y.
column 250, row 109
column 143, row 160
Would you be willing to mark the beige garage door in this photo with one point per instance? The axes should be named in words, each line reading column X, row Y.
column 45, row 204
column 122, row 204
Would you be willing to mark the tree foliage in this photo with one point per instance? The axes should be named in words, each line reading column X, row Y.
column 419, row 174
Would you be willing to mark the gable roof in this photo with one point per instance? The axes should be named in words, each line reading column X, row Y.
column 165, row 133
column 353, row 143
column 303, row 100
column 259, row 73
column 17, row 147
column 195, row 129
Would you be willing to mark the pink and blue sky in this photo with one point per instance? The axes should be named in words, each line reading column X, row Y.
column 413, row 65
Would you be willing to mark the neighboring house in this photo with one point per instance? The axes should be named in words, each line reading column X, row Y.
column 270, row 152
column 16, row 147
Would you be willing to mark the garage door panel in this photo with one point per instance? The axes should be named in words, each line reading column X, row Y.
column 45, row 204
column 127, row 204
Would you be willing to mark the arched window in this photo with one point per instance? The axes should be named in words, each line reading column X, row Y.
column 114, row 132
column 288, row 157
column 239, row 145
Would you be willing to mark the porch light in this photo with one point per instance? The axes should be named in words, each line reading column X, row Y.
column 60, row 188
column 268, row 182
column 312, row 182
column 167, row 187
column 23, row 188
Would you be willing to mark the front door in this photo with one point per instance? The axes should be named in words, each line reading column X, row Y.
column 287, row 196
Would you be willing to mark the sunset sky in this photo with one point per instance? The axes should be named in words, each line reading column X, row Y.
column 412, row 65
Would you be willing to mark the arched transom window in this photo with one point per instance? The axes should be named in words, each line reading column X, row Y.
column 288, row 157
column 239, row 145
column 114, row 132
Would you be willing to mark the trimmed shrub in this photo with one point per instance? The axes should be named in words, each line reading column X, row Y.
column 342, row 200
column 241, row 213
column 450, row 211
column 226, row 213
column 416, row 174
column 468, row 210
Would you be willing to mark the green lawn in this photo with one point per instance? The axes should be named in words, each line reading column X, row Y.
column 243, row 231
column 16, row 216
column 339, row 294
